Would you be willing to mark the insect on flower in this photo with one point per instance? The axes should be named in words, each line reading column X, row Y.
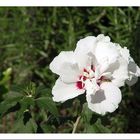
column 97, row 67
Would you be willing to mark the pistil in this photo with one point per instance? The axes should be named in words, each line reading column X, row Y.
column 89, row 74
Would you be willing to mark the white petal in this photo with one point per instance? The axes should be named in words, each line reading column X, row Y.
column 108, row 75
column 112, row 67
column 91, row 86
column 118, row 82
column 103, row 38
column 104, row 100
column 121, row 74
column 97, row 72
column 133, row 80
column 65, row 65
column 132, row 67
column 106, row 50
column 86, row 45
column 133, row 73
column 64, row 56
column 70, row 72
column 138, row 71
column 105, row 65
column 83, row 60
column 62, row 91
column 124, row 52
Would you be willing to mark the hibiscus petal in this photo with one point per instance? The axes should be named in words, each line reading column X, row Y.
column 103, row 38
column 121, row 74
column 65, row 65
column 138, row 71
column 133, row 80
column 91, row 86
column 84, row 51
column 133, row 69
column 106, row 50
column 62, row 91
column 124, row 52
column 86, row 45
column 104, row 100
column 133, row 72
column 83, row 60
column 64, row 56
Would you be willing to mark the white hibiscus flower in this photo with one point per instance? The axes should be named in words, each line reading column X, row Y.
column 97, row 67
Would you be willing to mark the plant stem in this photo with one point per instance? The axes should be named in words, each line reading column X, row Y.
column 76, row 124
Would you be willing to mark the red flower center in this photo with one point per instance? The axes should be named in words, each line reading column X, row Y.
column 80, row 83
column 88, row 74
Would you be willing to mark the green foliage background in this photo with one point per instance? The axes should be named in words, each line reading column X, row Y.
column 30, row 38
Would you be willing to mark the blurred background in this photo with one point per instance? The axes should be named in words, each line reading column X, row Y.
column 29, row 40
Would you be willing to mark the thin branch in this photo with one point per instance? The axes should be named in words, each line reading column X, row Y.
column 76, row 124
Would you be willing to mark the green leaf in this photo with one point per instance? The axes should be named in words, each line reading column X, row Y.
column 27, row 117
column 14, row 108
column 47, row 128
column 28, row 101
column 25, row 103
column 42, row 91
column 92, row 122
column 4, row 106
column 18, row 88
column 29, row 127
column 97, row 128
column 6, row 76
column 86, row 113
column 3, row 89
column 48, row 104
column 11, row 99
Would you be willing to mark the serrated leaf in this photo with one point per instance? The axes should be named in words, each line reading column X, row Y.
column 48, row 104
